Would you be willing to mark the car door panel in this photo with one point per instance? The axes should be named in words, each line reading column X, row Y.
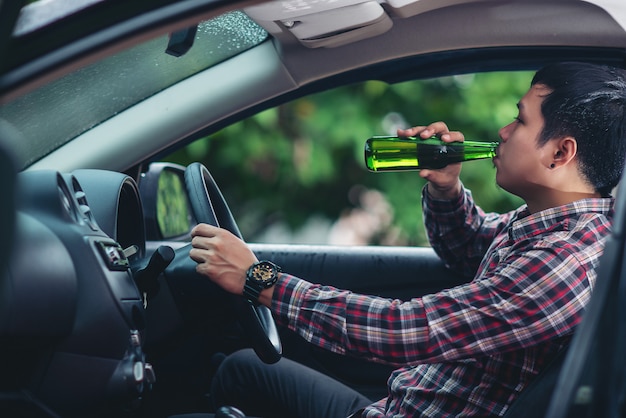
column 392, row 272
column 396, row 272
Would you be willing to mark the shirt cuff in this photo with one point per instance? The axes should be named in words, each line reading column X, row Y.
column 287, row 298
column 443, row 205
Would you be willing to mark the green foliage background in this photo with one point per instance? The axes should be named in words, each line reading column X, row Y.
column 305, row 158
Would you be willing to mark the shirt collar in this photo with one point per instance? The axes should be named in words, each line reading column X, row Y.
column 526, row 224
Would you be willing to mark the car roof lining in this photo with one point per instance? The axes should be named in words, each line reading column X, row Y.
column 513, row 26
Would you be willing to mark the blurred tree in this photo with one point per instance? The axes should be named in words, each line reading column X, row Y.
column 304, row 160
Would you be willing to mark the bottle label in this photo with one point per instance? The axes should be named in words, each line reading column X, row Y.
column 438, row 156
column 398, row 154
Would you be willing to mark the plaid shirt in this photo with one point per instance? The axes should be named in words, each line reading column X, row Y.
column 469, row 350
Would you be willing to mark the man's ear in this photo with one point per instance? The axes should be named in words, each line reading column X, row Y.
column 565, row 149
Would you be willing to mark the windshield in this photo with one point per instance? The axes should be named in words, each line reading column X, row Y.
column 54, row 114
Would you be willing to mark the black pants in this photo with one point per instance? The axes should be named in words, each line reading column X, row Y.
column 284, row 389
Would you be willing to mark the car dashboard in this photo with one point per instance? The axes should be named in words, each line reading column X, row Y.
column 73, row 318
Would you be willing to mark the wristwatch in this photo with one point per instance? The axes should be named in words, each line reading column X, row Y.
column 260, row 275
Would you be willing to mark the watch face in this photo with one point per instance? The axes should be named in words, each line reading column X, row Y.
column 263, row 272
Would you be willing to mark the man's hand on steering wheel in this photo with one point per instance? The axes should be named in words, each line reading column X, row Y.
column 221, row 256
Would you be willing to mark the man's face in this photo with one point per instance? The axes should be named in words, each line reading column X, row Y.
column 520, row 163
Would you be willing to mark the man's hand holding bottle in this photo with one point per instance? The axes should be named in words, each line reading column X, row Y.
column 443, row 183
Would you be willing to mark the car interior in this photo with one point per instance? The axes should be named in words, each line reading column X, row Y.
column 102, row 312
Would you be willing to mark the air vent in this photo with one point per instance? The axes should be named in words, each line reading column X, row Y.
column 83, row 206
column 68, row 204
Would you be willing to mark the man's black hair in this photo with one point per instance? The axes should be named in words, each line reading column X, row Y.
column 587, row 102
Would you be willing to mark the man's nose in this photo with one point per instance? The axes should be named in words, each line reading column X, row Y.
column 504, row 132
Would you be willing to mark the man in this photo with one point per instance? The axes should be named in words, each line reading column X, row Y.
column 469, row 350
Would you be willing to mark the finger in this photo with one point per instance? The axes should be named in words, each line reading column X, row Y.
column 453, row 136
column 414, row 131
column 205, row 230
column 434, row 129
column 425, row 174
column 197, row 255
column 201, row 242
column 203, row 269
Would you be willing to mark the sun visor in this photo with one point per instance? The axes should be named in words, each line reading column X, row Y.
column 318, row 24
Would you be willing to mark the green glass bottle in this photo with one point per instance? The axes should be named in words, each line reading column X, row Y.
column 391, row 153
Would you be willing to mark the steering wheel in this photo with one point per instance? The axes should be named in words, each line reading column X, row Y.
column 209, row 206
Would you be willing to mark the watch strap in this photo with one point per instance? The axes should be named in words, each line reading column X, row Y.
column 251, row 291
